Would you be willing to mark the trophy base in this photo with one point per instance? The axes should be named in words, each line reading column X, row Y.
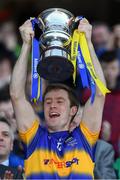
column 55, row 68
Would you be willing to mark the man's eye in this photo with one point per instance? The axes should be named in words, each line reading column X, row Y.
column 60, row 102
column 48, row 102
column 6, row 135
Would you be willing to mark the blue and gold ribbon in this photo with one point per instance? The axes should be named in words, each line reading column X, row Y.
column 36, row 90
column 80, row 53
column 82, row 69
column 89, row 64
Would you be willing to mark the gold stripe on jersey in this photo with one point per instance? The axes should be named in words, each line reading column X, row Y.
column 30, row 133
column 43, row 161
column 91, row 137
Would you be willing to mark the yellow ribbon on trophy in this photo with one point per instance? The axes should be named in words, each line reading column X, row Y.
column 80, row 39
column 74, row 52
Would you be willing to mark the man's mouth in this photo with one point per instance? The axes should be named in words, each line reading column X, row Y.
column 2, row 146
column 54, row 114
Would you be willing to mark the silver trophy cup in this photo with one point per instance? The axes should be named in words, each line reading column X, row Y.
column 54, row 64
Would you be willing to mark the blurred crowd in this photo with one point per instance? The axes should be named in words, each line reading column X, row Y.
column 106, row 41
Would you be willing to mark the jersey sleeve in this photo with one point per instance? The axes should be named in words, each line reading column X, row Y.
column 90, row 136
column 27, row 136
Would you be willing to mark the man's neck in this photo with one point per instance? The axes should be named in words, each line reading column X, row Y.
column 55, row 129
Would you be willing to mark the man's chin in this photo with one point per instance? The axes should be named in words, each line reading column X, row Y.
column 2, row 155
column 52, row 124
column 52, row 120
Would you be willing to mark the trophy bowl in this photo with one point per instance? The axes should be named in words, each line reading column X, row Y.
column 55, row 40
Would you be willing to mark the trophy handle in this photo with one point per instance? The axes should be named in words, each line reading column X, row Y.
column 75, row 22
column 41, row 24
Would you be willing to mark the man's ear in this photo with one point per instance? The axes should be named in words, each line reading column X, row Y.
column 76, row 121
column 73, row 110
column 11, row 145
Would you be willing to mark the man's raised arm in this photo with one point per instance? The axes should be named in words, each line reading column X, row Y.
column 92, row 113
column 23, row 110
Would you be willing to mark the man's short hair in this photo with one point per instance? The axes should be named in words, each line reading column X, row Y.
column 71, row 93
column 96, row 24
column 3, row 119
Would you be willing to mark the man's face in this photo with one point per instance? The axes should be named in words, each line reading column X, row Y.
column 5, row 68
column 116, row 31
column 8, row 35
column 7, row 109
column 58, row 112
column 6, row 142
column 5, row 72
column 111, row 70
column 100, row 36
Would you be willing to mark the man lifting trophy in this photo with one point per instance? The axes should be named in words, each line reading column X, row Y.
column 64, row 147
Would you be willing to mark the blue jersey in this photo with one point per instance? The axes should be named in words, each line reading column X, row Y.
column 59, row 155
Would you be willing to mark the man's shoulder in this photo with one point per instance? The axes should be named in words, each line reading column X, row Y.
column 103, row 144
column 103, row 147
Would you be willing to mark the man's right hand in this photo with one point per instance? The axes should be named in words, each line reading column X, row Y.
column 27, row 32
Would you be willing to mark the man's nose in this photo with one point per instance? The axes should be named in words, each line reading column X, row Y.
column 53, row 104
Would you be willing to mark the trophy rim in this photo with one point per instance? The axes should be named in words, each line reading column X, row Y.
column 60, row 9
